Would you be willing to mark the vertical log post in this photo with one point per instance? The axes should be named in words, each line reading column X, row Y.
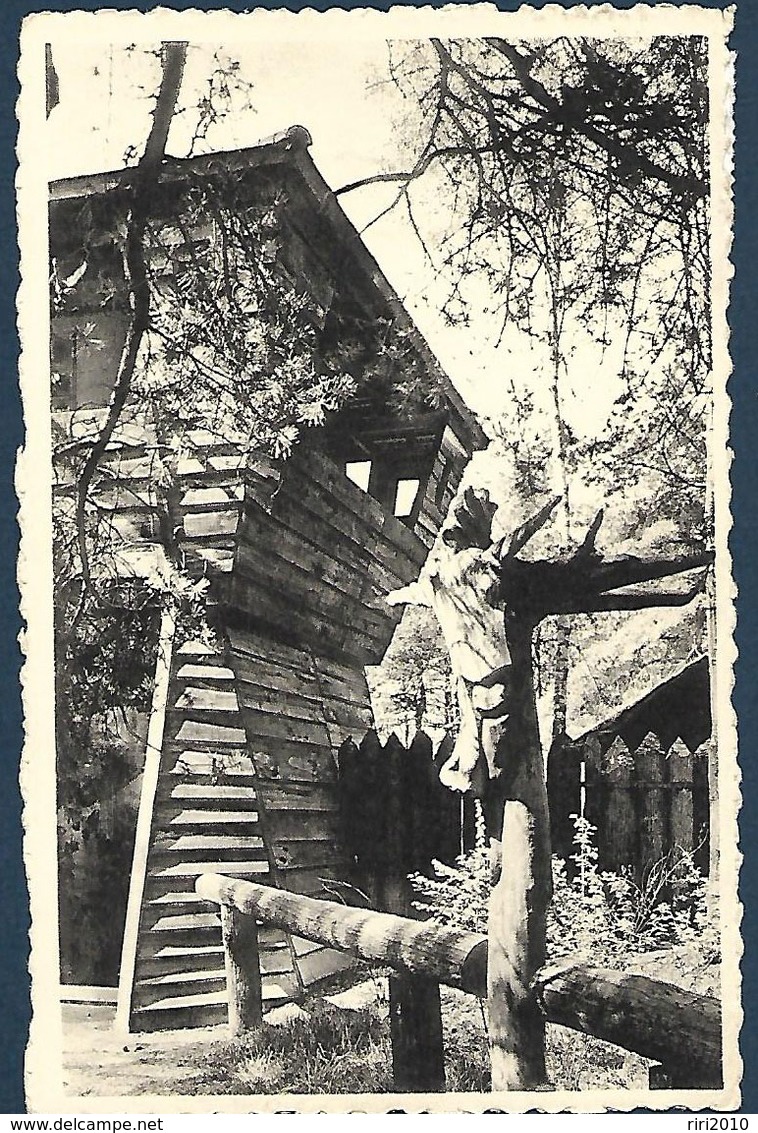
column 516, row 951
column 239, row 932
column 522, row 884
column 418, row 1054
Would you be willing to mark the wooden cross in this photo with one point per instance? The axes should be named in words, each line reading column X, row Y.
column 488, row 601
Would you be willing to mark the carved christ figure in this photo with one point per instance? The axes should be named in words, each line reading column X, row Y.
column 460, row 589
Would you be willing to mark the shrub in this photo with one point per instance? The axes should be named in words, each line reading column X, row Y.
column 595, row 914
column 608, row 916
column 458, row 894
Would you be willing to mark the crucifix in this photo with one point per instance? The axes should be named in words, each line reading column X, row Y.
column 488, row 601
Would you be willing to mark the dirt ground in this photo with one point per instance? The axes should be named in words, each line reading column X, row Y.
column 97, row 1062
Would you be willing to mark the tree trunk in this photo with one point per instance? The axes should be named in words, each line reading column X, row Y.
column 522, row 885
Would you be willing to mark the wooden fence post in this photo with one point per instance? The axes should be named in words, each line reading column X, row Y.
column 649, row 776
column 679, row 761
column 707, row 855
column 349, row 789
column 395, row 833
column 239, row 932
column 447, row 805
column 564, row 792
column 617, row 822
column 418, row 1055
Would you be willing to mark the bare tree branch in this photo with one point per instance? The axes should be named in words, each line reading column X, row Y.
column 144, row 177
column 629, row 157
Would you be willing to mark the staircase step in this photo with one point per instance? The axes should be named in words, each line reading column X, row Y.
column 207, row 1010
column 275, row 963
column 195, row 869
column 208, row 804
column 193, row 698
column 167, row 960
column 271, row 989
column 196, row 649
column 166, row 819
column 234, row 763
column 180, row 968
column 167, row 843
column 204, row 787
column 188, row 899
column 174, row 890
column 184, row 953
column 170, row 980
column 217, row 674
column 205, row 736
column 183, row 1003
column 270, row 939
column 174, row 897
column 186, row 985
column 186, row 922
column 248, row 850
column 159, row 1019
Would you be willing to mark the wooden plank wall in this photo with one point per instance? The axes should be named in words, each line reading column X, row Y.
column 313, row 566
column 297, row 708
column 210, row 477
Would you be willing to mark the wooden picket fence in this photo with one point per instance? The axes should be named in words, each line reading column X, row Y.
column 396, row 816
column 644, row 801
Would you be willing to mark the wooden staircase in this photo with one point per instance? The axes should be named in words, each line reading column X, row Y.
column 203, row 818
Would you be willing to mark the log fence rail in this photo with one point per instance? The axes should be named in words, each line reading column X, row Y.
column 677, row 1029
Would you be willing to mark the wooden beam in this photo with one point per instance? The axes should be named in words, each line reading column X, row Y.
column 449, row 955
column 678, row 1028
column 155, row 741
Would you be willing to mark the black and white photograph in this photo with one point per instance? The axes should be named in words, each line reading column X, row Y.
column 374, row 504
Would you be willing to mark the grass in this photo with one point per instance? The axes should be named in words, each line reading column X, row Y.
column 334, row 1050
column 331, row 1051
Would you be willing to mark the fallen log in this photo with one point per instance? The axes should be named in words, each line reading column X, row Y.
column 677, row 1028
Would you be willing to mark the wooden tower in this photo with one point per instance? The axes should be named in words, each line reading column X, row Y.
column 242, row 747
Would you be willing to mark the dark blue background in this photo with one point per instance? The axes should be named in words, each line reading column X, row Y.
column 743, row 318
